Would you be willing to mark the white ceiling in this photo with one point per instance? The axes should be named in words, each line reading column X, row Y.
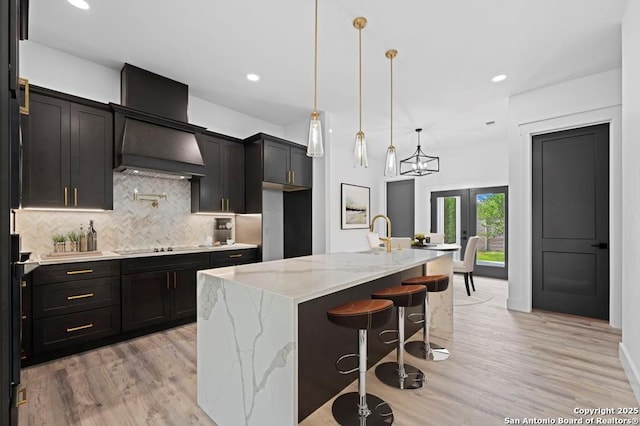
column 448, row 52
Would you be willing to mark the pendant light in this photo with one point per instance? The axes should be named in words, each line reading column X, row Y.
column 419, row 164
column 314, row 144
column 391, row 162
column 360, row 149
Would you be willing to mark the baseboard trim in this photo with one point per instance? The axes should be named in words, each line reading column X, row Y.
column 633, row 374
column 518, row 305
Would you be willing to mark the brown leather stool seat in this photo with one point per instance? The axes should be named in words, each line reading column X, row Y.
column 362, row 314
column 424, row 349
column 399, row 374
column 403, row 295
column 353, row 408
column 434, row 283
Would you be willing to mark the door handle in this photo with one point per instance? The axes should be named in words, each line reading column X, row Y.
column 600, row 245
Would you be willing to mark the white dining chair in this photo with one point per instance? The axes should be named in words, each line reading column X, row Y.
column 465, row 266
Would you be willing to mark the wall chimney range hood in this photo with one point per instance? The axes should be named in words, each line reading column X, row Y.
column 152, row 136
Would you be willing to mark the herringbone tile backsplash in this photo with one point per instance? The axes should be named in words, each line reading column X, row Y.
column 131, row 224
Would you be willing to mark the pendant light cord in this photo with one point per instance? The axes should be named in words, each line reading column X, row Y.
column 360, row 82
column 315, row 62
column 391, row 127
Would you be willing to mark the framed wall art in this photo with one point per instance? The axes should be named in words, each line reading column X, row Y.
column 355, row 206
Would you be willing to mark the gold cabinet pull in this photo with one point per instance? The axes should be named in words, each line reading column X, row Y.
column 80, row 271
column 167, row 277
column 24, row 109
column 66, row 196
column 80, row 296
column 23, row 357
column 235, row 255
column 24, row 317
column 221, row 204
column 175, row 280
column 293, row 174
column 21, row 398
column 23, row 284
column 81, row 327
column 75, row 197
column 227, row 204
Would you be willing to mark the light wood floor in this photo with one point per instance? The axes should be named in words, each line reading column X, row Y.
column 503, row 364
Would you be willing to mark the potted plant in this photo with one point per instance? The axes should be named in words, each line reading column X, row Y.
column 73, row 236
column 58, row 243
column 420, row 239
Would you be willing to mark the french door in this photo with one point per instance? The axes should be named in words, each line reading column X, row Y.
column 462, row 213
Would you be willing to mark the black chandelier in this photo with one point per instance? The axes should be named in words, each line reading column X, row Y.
column 419, row 164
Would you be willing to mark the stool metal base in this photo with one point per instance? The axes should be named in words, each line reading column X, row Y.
column 345, row 411
column 388, row 374
column 418, row 349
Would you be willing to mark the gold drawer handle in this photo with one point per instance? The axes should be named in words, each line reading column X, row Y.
column 80, row 296
column 81, row 271
column 24, row 317
column 23, row 357
column 235, row 255
column 24, row 109
column 23, row 284
column 82, row 327
column 21, row 398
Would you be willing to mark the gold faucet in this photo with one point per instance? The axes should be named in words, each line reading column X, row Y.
column 387, row 240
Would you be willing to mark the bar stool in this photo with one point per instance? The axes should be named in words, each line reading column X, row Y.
column 425, row 349
column 398, row 374
column 353, row 408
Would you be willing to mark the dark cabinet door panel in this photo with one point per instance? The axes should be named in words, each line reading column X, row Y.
column 276, row 162
column 168, row 262
column 66, row 330
column 206, row 193
column 145, row 299
column 301, row 167
column 233, row 177
column 91, row 157
column 75, row 296
column 45, row 136
column 184, row 293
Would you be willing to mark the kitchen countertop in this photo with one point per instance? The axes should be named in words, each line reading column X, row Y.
column 309, row 277
column 37, row 260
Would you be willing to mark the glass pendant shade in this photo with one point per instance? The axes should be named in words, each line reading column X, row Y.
column 391, row 163
column 314, row 144
column 360, row 151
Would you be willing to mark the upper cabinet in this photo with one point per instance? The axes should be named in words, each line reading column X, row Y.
column 274, row 163
column 222, row 187
column 67, row 152
column 286, row 164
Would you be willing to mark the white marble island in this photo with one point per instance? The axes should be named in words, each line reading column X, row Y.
column 265, row 348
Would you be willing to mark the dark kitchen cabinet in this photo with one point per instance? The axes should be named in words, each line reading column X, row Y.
column 222, row 187
column 163, row 290
column 67, row 152
column 275, row 164
column 74, row 303
column 286, row 164
column 145, row 299
column 236, row 257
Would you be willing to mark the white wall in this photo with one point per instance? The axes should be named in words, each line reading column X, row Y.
column 585, row 101
column 630, row 346
column 56, row 70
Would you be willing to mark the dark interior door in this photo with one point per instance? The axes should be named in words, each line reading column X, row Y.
column 571, row 221
column 401, row 207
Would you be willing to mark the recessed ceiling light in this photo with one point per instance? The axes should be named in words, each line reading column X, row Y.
column 253, row 77
column 80, row 4
column 498, row 78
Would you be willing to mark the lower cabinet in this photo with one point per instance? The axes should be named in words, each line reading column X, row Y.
column 152, row 298
column 224, row 258
column 164, row 290
column 74, row 303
